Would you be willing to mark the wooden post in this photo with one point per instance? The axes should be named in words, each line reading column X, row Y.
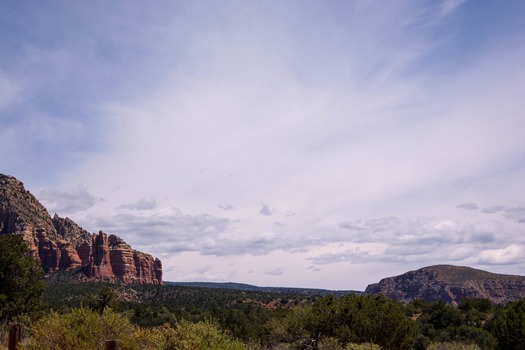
column 112, row 345
column 15, row 335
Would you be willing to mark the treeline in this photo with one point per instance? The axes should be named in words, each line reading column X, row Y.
column 350, row 322
column 276, row 321
column 82, row 315
column 306, row 323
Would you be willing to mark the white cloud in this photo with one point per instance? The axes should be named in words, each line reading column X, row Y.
column 363, row 125
column 512, row 254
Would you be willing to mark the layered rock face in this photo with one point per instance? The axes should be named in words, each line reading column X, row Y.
column 450, row 284
column 60, row 244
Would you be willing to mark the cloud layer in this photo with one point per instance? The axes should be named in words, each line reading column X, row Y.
column 278, row 143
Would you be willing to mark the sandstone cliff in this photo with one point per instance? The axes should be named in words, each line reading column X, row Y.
column 60, row 244
column 450, row 284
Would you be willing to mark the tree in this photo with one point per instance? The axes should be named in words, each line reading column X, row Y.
column 22, row 281
column 104, row 299
column 360, row 319
column 509, row 326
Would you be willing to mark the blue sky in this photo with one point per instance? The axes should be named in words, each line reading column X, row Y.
column 285, row 143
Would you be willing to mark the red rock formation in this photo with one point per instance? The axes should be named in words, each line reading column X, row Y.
column 157, row 270
column 147, row 268
column 48, row 251
column 122, row 259
column 84, row 252
column 69, row 258
column 100, row 261
column 60, row 244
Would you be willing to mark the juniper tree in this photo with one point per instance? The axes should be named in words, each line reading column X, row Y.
column 21, row 279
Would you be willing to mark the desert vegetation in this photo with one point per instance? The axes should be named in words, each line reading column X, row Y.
column 79, row 315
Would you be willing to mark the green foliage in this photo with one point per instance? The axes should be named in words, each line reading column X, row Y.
column 185, row 336
column 352, row 319
column 421, row 342
column 21, row 279
column 364, row 346
column 265, row 319
column 481, row 305
column 88, row 330
column 99, row 302
column 80, row 329
column 203, row 335
column 290, row 327
column 508, row 326
column 244, row 321
column 241, row 313
column 441, row 316
column 452, row 346
column 151, row 316
column 443, row 323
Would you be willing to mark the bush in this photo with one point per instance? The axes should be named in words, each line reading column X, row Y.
column 201, row 336
column 87, row 330
column 358, row 319
column 508, row 326
column 452, row 346
column 81, row 329
column 364, row 346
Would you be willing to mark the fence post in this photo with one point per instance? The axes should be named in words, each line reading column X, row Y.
column 15, row 335
column 112, row 345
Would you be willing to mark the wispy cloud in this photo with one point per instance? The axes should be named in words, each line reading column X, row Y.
column 493, row 209
column 266, row 210
column 274, row 272
column 9, row 91
column 513, row 213
column 353, row 129
column 141, row 204
column 468, row 206
column 68, row 201
column 226, row 206
column 449, row 6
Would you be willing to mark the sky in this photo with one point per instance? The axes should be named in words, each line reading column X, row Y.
column 319, row 144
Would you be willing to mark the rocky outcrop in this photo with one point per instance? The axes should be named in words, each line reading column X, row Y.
column 60, row 244
column 100, row 262
column 450, row 284
column 76, row 235
column 133, row 266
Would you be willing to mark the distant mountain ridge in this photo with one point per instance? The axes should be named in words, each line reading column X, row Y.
column 450, row 284
column 60, row 244
column 252, row 288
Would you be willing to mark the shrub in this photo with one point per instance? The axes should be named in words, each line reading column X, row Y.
column 87, row 330
column 80, row 329
column 203, row 335
column 452, row 346
column 364, row 346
